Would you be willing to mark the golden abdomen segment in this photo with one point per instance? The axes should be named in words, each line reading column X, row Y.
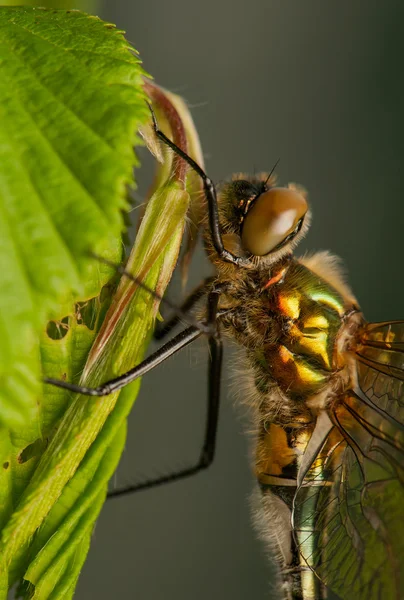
column 280, row 449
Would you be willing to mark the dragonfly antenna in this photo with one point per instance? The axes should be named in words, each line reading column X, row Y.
column 272, row 170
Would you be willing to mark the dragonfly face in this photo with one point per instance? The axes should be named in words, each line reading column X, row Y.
column 327, row 393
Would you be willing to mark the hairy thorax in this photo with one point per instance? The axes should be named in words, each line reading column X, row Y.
column 288, row 320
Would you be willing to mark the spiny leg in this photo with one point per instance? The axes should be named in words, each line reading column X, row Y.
column 208, row 450
column 165, row 328
column 211, row 197
column 113, row 385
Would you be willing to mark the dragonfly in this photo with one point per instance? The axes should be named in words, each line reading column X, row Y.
column 325, row 386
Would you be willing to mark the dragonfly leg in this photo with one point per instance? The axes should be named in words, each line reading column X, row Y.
column 211, row 197
column 165, row 328
column 209, row 445
column 174, row 345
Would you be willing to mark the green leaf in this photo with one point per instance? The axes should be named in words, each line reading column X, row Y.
column 57, row 464
column 74, row 469
column 71, row 102
column 67, row 533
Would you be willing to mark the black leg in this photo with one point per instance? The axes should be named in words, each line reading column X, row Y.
column 215, row 371
column 209, row 445
column 179, row 341
column 211, row 197
column 165, row 328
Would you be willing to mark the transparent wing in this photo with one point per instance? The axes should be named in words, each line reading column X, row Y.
column 349, row 509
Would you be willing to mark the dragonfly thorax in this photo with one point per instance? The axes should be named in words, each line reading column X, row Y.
column 289, row 324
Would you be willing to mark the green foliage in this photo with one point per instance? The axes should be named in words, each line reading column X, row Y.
column 71, row 101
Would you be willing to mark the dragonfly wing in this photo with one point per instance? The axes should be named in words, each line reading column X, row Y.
column 348, row 510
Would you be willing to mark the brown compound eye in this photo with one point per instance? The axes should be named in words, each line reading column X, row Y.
column 274, row 217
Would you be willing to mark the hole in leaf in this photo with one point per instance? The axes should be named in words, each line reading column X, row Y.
column 34, row 449
column 57, row 330
column 87, row 313
column 6, row 464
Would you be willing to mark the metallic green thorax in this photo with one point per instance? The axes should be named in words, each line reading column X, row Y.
column 308, row 311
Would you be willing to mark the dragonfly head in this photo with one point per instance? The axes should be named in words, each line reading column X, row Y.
column 268, row 221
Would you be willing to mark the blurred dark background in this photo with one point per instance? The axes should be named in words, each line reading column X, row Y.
column 318, row 84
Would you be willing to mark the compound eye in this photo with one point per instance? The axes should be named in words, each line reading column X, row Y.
column 274, row 217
